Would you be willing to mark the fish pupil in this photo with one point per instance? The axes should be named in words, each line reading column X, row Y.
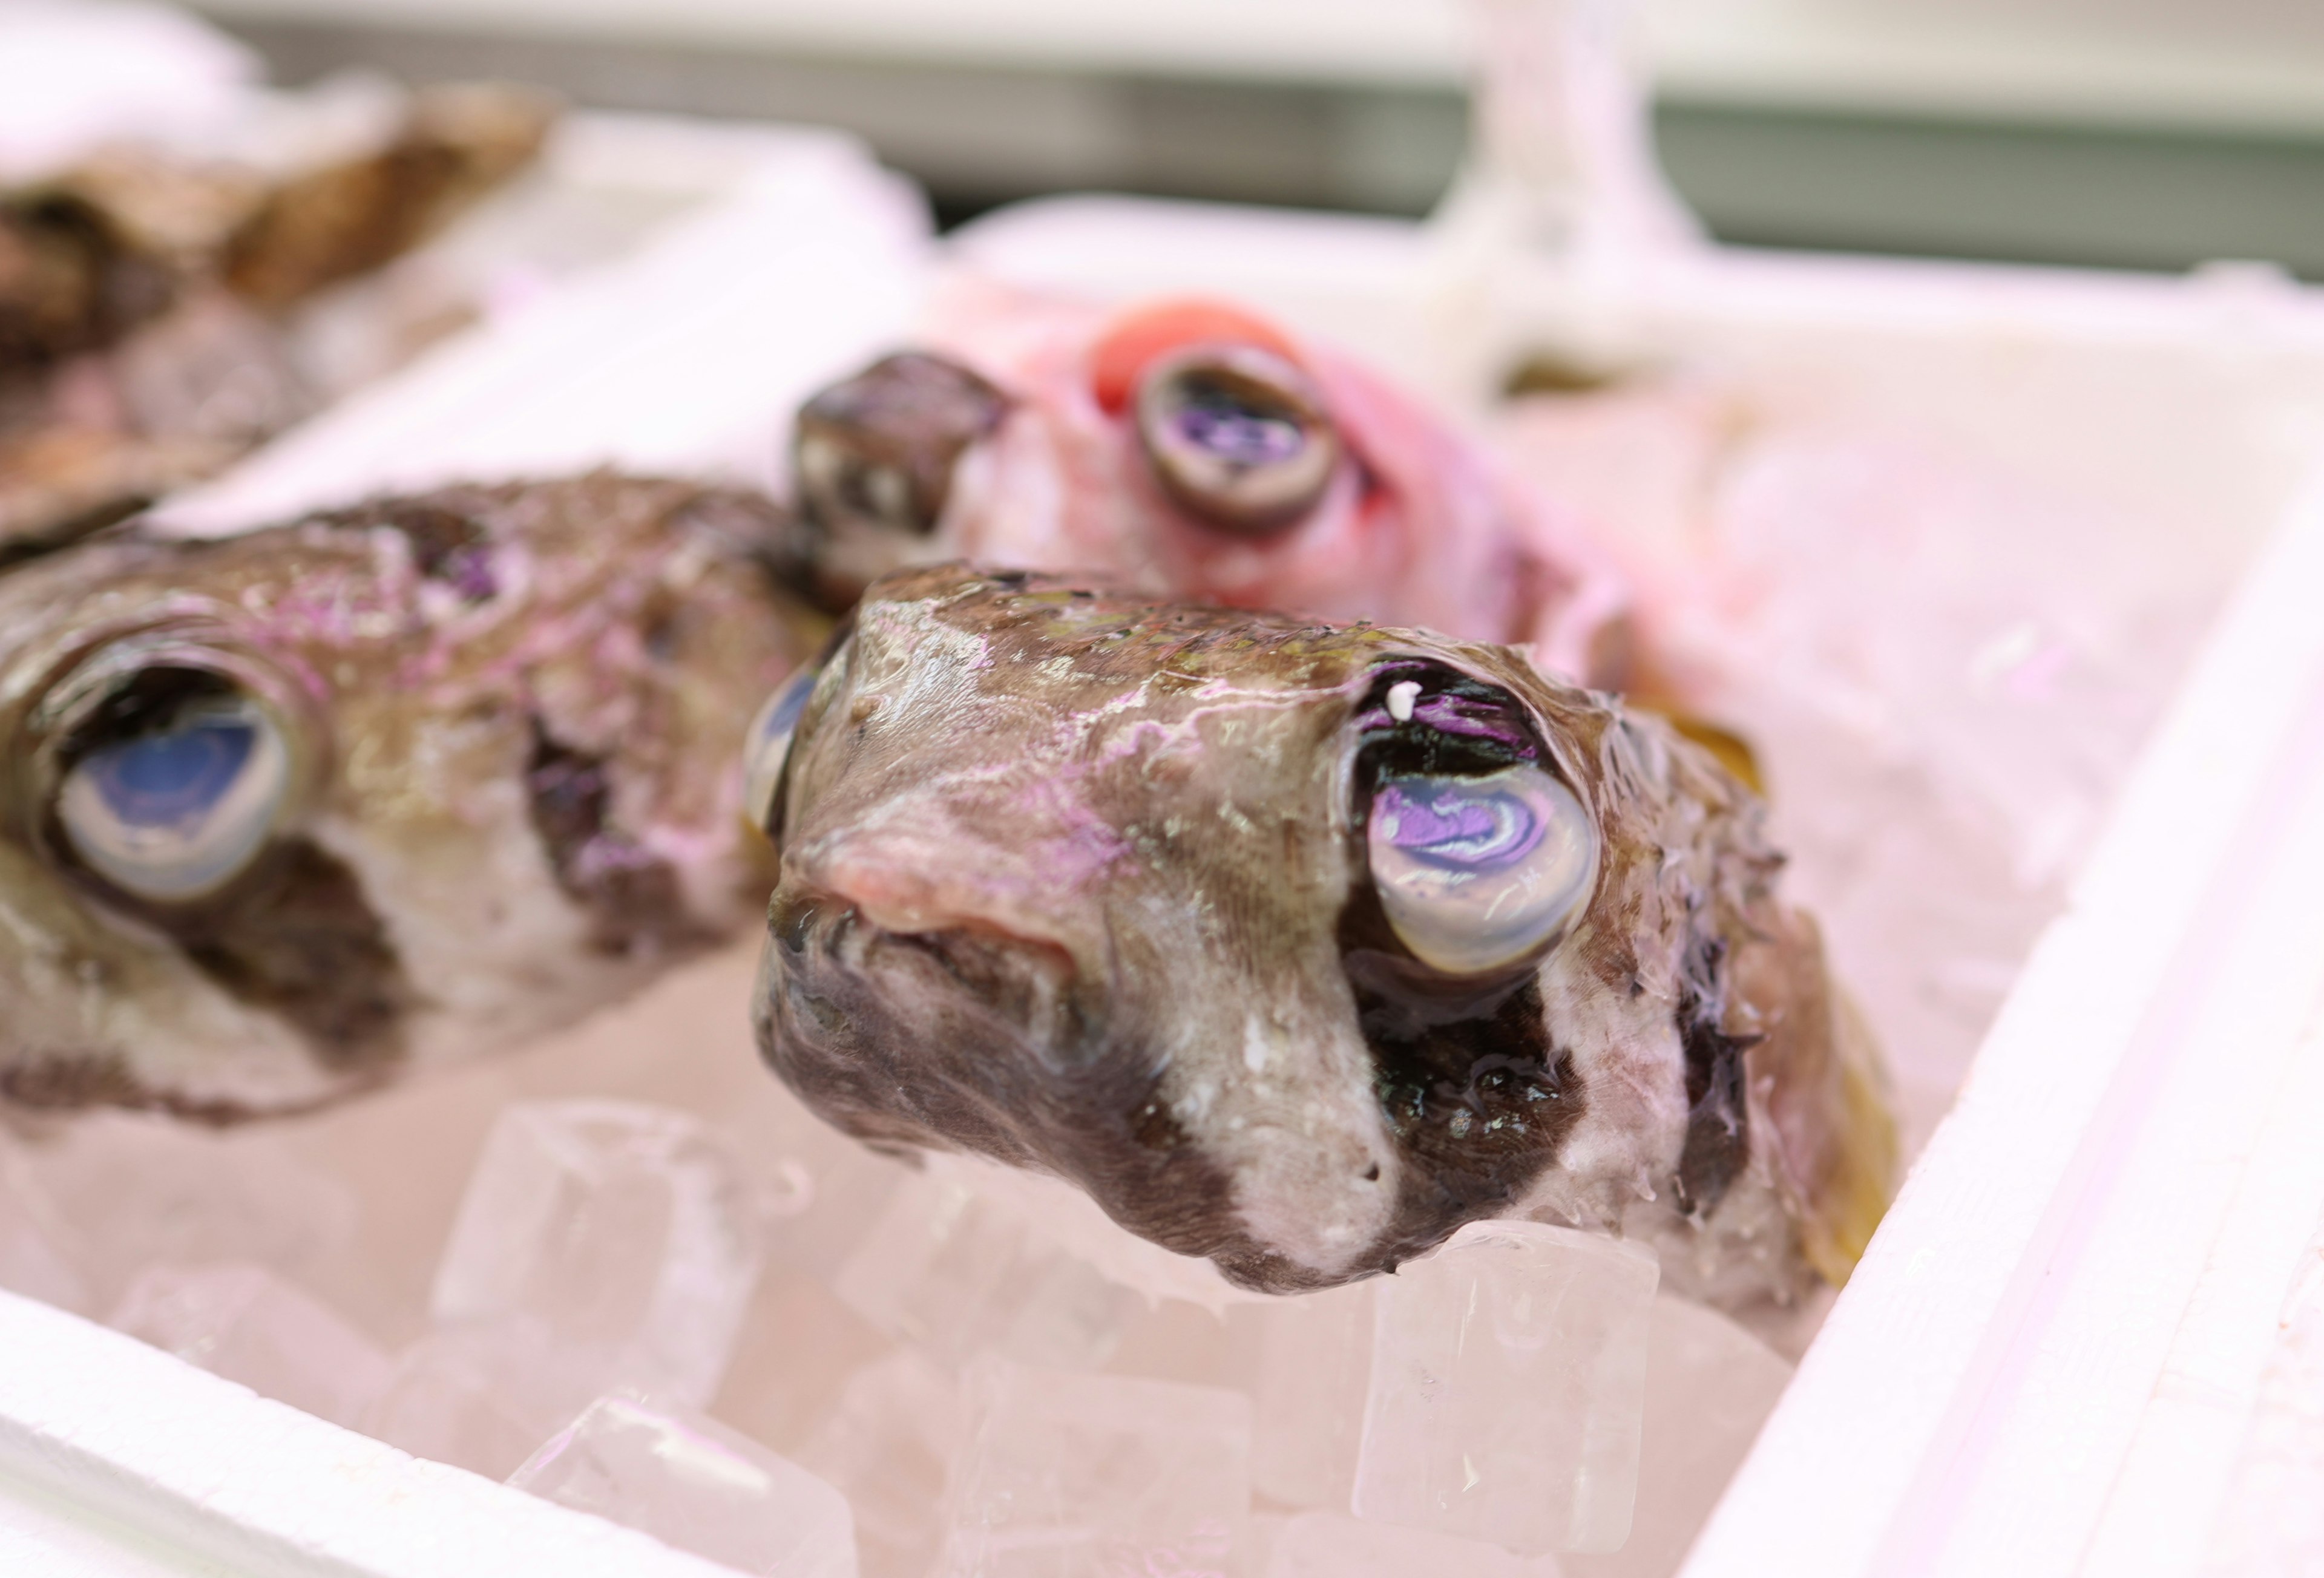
column 1457, row 828
column 1215, row 420
column 174, row 778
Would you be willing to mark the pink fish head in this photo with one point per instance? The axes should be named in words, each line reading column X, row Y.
column 1194, row 449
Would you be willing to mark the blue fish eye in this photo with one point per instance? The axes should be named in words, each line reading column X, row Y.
column 1475, row 873
column 175, row 779
column 176, row 811
column 769, row 745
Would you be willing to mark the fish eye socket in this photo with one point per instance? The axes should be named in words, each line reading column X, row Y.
column 174, row 785
column 878, row 449
column 767, row 746
column 1237, row 435
column 1478, row 873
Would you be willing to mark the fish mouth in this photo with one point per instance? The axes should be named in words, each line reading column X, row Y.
column 968, row 1038
column 959, row 1034
column 1030, row 985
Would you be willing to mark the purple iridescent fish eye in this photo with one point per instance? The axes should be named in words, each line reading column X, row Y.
column 1478, row 873
column 1237, row 436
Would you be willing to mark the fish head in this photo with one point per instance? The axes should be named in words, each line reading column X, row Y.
column 1296, row 946
column 286, row 813
column 1190, row 448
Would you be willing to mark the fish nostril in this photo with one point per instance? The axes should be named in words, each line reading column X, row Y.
column 791, row 921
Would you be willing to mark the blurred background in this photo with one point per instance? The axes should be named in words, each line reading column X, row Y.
column 2135, row 133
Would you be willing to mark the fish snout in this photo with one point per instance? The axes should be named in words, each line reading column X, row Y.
column 939, row 920
column 909, row 881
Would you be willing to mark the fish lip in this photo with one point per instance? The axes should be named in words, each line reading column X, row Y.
column 1029, row 988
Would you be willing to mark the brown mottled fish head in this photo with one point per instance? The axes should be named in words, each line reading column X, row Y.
column 284, row 813
column 1296, row 946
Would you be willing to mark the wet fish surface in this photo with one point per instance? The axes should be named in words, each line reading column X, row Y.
column 1298, row 945
column 289, row 814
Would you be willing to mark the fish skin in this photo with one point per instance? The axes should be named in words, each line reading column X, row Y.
column 1418, row 526
column 1072, row 880
column 516, row 711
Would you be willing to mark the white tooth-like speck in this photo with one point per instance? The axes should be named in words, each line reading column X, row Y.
column 1254, row 1046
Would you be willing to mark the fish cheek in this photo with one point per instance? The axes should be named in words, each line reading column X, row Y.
column 298, row 940
column 1718, row 1132
column 1476, row 1097
column 632, row 897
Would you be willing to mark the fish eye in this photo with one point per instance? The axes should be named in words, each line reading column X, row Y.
column 879, row 449
column 767, row 746
column 1480, row 853
column 173, row 784
column 1478, row 873
column 1238, row 436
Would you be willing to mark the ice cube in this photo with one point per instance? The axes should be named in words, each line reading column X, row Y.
column 249, row 1325
column 1068, row 1218
column 629, row 1237
column 1179, row 1341
column 1266, row 1530
column 800, row 1346
column 1507, row 1381
column 121, row 1192
column 890, row 1446
column 1332, row 1545
column 693, row 1483
column 449, row 1399
column 1070, row 1475
column 1710, row 1386
column 962, row 1272
column 845, row 1189
column 1315, row 1369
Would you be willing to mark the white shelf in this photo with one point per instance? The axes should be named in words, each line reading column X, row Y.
column 1925, row 59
